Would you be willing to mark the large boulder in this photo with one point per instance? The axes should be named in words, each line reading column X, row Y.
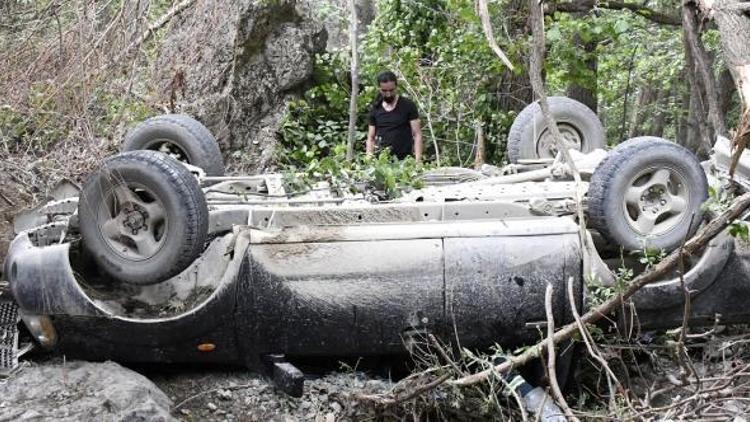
column 235, row 65
column 81, row 391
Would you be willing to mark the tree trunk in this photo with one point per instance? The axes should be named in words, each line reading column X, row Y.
column 727, row 89
column 355, row 83
column 512, row 89
column 660, row 117
column 479, row 159
column 733, row 21
column 641, row 110
column 703, row 72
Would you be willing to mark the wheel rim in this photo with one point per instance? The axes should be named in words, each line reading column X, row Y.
column 546, row 147
column 133, row 221
column 656, row 201
column 168, row 147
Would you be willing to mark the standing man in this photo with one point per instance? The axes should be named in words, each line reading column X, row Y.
column 394, row 121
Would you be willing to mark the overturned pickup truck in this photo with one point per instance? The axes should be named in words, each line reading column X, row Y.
column 162, row 258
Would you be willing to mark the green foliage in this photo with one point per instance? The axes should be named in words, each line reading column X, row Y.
column 740, row 230
column 382, row 175
column 631, row 54
column 651, row 256
column 718, row 200
column 445, row 65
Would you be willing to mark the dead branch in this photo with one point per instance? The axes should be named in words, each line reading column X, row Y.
column 551, row 364
column 589, row 341
column 484, row 16
column 149, row 32
column 704, row 235
column 536, row 63
column 394, row 399
column 586, row 6
column 655, row 273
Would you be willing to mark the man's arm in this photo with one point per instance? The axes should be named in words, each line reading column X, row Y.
column 370, row 144
column 416, row 133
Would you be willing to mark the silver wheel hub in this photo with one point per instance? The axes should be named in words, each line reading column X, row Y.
column 547, row 147
column 656, row 201
column 134, row 223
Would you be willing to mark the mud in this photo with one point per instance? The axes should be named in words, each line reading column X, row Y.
column 172, row 297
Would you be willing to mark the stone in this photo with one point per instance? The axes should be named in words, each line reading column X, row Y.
column 234, row 65
column 77, row 391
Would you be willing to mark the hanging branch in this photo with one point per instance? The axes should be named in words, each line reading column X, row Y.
column 355, row 83
column 484, row 15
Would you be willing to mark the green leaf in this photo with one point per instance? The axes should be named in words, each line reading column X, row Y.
column 621, row 26
column 553, row 34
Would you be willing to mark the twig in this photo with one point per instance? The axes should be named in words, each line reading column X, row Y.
column 536, row 61
column 390, row 401
column 6, row 199
column 681, row 351
column 704, row 235
column 213, row 390
column 551, row 366
column 149, row 32
column 588, row 341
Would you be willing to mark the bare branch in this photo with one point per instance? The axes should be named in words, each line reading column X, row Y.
column 484, row 15
column 149, row 32
column 704, row 235
column 551, row 364
column 588, row 5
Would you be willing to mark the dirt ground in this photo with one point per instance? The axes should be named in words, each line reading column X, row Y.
column 233, row 394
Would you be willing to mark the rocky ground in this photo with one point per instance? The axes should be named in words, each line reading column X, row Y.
column 83, row 391
column 235, row 395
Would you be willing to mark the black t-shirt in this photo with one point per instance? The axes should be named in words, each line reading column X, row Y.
column 392, row 128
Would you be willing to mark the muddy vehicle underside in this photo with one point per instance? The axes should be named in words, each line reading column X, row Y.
column 324, row 272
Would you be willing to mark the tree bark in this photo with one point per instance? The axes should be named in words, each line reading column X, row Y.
column 641, row 110
column 479, row 159
column 727, row 90
column 585, row 6
column 703, row 72
column 734, row 27
column 732, row 18
column 660, row 117
column 355, row 82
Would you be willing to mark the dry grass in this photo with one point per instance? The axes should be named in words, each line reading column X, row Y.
column 72, row 82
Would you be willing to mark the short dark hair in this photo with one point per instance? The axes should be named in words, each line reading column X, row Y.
column 387, row 76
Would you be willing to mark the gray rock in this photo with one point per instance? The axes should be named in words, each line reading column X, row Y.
column 234, row 65
column 82, row 391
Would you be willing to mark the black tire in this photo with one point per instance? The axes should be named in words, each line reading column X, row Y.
column 149, row 231
column 645, row 194
column 184, row 137
column 575, row 120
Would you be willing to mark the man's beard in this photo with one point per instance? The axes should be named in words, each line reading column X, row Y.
column 389, row 100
